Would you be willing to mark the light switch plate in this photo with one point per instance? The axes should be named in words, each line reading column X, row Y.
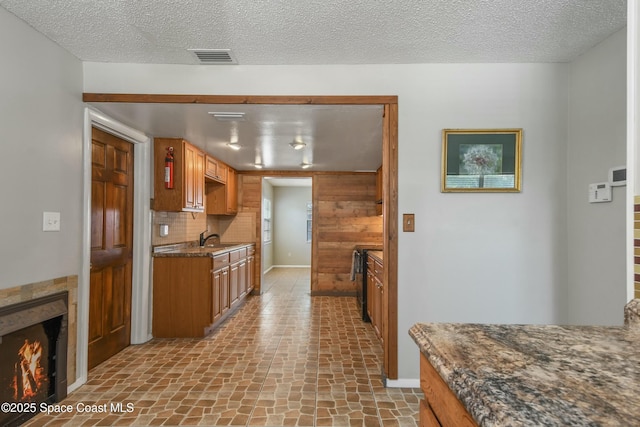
column 51, row 221
column 408, row 222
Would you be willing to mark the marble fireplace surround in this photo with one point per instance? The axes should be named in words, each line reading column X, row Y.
column 29, row 292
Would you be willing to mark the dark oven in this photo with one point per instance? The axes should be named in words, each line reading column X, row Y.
column 359, row 277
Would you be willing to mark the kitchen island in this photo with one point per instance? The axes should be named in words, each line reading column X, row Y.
column 522, row 375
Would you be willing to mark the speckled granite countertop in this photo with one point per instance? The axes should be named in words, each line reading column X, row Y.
column 193, row 250
column 523, row 375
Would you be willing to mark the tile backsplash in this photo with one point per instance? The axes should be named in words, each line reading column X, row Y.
column 183, row 227
column 187, row 226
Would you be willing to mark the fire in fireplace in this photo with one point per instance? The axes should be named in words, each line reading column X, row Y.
column 30, row 376
column 33, row 348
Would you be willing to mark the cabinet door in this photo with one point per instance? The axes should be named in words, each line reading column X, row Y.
column 242, row 278
column 234, row 280
column 377, row 306
column 225, row 303
column 250, row 272
column 381, row 320
column 211, row 167
column 370, row 293
column 198, row 179
column 216, row 307
column 189, row 176
column 232, row 192
column 222, row 172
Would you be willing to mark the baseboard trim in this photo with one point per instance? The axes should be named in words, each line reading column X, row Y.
column 403, row 383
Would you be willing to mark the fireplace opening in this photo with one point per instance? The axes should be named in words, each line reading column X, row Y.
column 33, row 354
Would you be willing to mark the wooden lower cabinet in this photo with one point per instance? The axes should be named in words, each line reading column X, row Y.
column 192, row 295
column 234, row 280
column 427, row 417
column 251, row 271
column 220, row 296
column 440, row 407
column 375, row 297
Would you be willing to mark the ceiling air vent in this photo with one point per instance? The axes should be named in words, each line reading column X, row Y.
column 214, row 56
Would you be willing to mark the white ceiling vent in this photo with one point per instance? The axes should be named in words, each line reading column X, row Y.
column 214, row 56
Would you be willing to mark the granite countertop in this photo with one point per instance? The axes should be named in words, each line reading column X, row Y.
column 190, row 249
column 522, row 375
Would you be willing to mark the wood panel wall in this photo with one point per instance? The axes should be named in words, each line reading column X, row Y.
column 250, row 201
column 344, row 213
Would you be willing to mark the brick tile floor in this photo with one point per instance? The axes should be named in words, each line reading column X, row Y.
column 283, row 359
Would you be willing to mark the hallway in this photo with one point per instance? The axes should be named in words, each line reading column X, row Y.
column 283, row 359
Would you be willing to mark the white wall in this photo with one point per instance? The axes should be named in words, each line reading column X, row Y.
column 633, row 136
column 290, row 226
column 597, row 141
column 473, row 257
column 41, row 121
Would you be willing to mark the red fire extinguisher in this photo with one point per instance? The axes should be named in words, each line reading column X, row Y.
column 168, row 168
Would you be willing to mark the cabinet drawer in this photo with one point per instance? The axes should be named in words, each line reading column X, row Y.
column 238, row 254
column 377, row 271
column 220, row 260
column 371, row 265
column 251, row 250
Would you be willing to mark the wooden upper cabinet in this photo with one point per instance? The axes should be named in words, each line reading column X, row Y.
column 210, row 167
column 215, row 170
column 222, row 199
column 187, row 193
column 198, row 177
column 222, row 172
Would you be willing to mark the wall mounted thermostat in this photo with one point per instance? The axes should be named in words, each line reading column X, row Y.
column 599, row 192
column 618, row 176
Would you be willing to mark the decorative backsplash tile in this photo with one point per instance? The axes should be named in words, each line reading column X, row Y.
column 183, row 227
column 240, row 228
column 187, row 226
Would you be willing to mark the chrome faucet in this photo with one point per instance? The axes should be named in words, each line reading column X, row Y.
column 203, row 239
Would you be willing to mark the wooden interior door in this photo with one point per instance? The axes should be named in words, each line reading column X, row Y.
column 111, row 246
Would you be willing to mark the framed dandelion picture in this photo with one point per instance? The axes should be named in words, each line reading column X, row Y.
column 481, row 160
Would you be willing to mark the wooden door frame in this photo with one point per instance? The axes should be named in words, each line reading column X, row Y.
column 389, row 177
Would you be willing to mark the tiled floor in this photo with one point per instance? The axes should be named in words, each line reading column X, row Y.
column 283, row 359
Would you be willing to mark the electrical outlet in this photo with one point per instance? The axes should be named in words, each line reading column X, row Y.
column 51, row 221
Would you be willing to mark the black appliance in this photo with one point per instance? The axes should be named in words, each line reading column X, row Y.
column 359, row 276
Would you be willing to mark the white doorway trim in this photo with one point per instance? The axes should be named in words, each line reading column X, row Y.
column 141, row 288
column 633, row 133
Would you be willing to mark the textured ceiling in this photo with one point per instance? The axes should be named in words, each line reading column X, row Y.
column 290, row 32
column 325, row 32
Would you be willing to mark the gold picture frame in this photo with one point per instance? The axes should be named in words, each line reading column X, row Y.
column 481, row 160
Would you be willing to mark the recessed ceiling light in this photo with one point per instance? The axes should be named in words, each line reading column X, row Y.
column 305, row 165
column 297, row 144
column 258, row 165
column 233, row 145
column 226, row 116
